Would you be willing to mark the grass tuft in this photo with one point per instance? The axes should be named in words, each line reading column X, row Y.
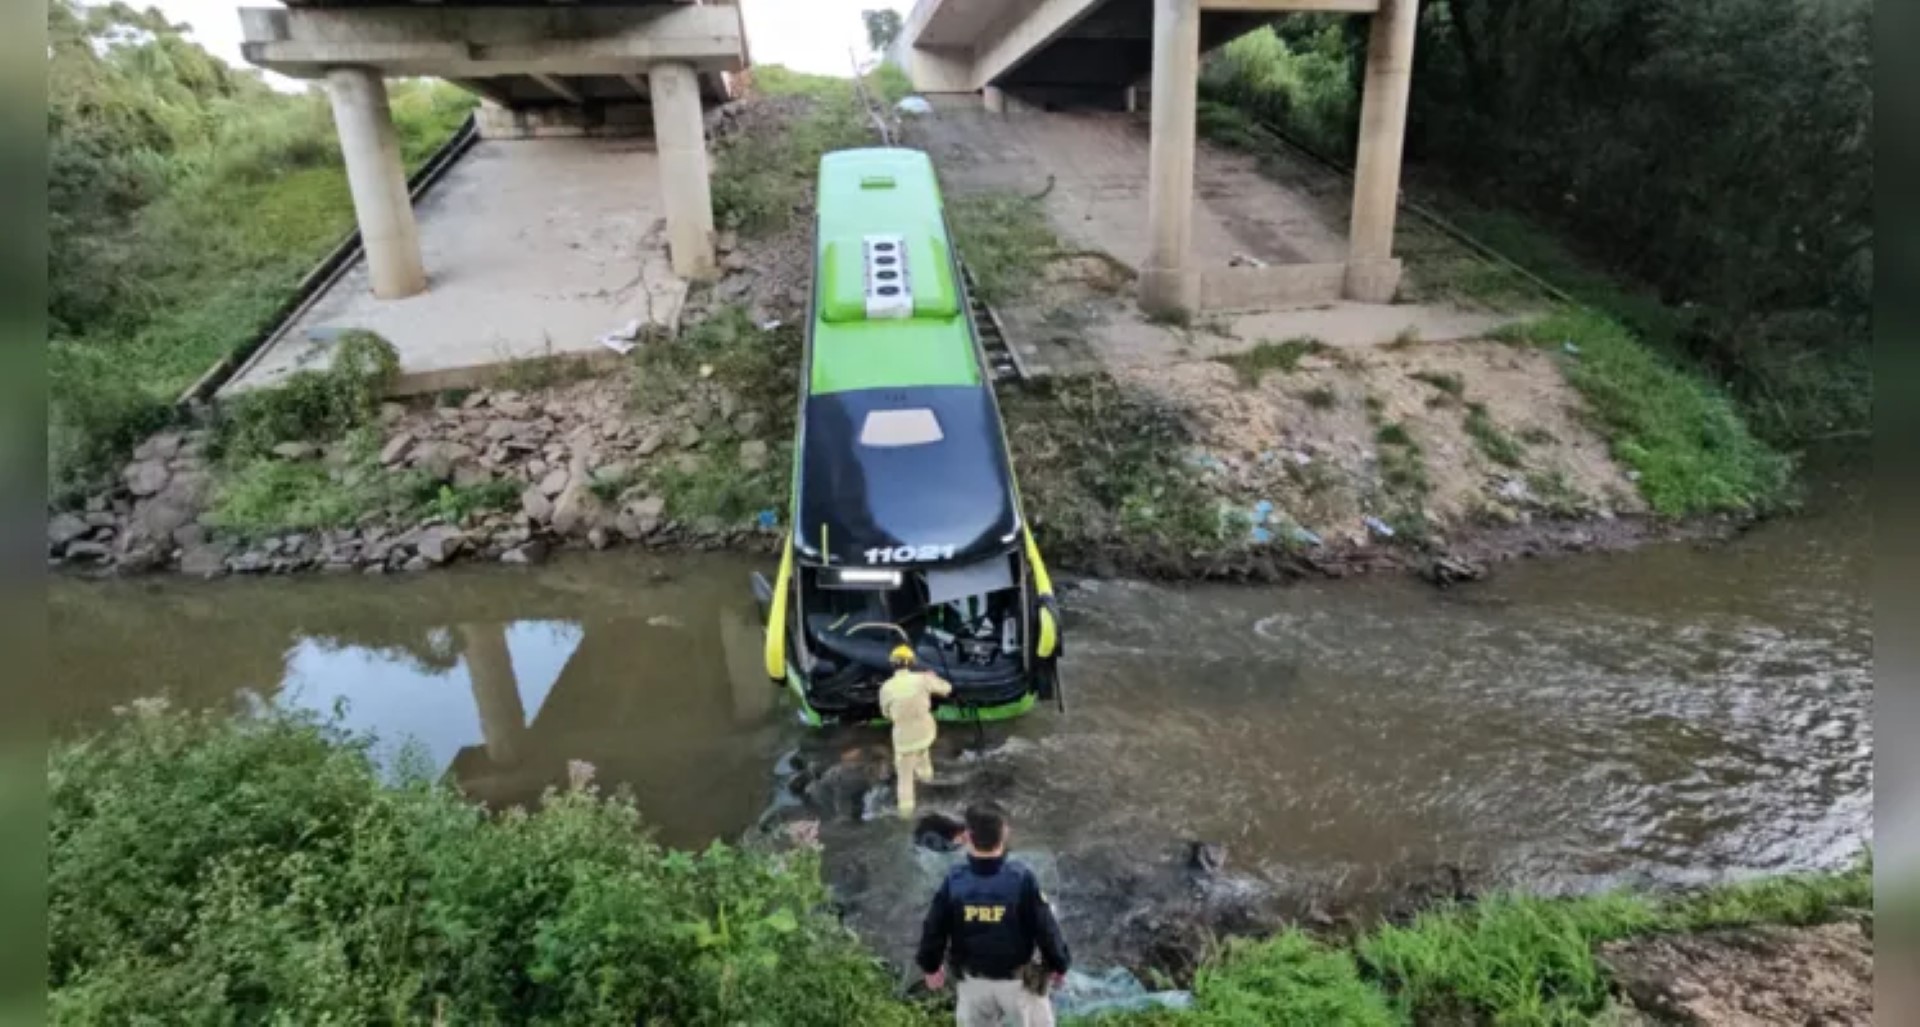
column 1005, row 240
column 1250, row 366
column 1490, row 439
column 1446, row 381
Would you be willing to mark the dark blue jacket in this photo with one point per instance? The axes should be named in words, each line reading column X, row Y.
column 987, row 919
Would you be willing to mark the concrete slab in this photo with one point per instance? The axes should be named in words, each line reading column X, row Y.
column 533, row 249
column 1273, row 229
column 1097, row 164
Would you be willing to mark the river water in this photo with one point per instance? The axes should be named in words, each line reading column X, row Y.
column 1667, row 716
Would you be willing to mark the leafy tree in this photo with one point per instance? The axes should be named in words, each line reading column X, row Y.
column 883, row 27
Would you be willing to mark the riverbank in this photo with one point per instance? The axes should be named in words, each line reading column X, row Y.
column 1212, row 451
column 279, row 869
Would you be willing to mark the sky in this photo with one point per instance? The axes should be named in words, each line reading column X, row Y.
column 806, row 35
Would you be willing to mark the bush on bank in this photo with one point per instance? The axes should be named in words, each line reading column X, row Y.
column 210, row 870
column 204, row 870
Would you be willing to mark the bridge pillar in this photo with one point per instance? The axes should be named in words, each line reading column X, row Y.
column 993, row 100
column 1168, row 284
column 679, row 132
column 378, row 181
column 1373, row 275
column 496, row 692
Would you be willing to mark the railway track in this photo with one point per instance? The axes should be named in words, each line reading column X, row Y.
column 1003, row 358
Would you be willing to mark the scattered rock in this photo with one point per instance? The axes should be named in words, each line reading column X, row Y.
column 204, row 561
column 467, row 476
column 391, row 413
column 440, row 543
column 163, row 446
column 1206, row 857
column 528, row 553
column 438, row 459
column 753, row 455
column 555, row 482
column 84, row 550
column 146, row 477
column 535, row 504
column 296, row 451
column 396, row 448
column 66, row 527
column 475, row 399
column 1447, row 569
column 578, row 511
column 689, row 437
column 500, row 431
column 618, row 471
column 158, row 518
column 416, row 565
column 598, row 538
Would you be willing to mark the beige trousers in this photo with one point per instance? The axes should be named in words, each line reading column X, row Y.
column 911, row 767
column 988, row 1003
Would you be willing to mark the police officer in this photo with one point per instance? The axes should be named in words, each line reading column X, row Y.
column 986, row 921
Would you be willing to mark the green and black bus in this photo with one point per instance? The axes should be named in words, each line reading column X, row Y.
column 906, row 520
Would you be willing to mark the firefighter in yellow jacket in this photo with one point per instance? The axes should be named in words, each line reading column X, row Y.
column 907, row 700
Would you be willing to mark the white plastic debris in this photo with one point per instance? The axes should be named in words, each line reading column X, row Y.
column 913, row 105
column 1112, row 991
column 1377, row 526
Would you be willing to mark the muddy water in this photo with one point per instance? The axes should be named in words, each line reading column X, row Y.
column 1665, row 716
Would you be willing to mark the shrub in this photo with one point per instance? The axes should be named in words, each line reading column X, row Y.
column 311, row 406
column 207, row 870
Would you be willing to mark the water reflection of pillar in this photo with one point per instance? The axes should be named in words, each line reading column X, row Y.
column 503, row 720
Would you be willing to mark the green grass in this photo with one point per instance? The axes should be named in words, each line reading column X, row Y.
column 1005, row 240
column 1250, row 366
column 195, row 282
column 764, row 180
column 1106, row 464
column 1490, row 439
column 719, row 488
column 1394, row 434
column 1507, row 960
column 760, row 370
column 1685, row 439
column 204, row 870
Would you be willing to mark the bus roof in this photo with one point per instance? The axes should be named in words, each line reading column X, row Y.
column 885, row 194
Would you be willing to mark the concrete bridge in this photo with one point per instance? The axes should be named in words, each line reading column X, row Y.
column 1101, row 53
column 567, row 67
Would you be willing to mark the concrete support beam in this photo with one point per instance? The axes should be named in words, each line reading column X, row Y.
column 378, row 182
column 445, row 41
column 679, row 131
column 1034, row 26
column 637, row 83
column 1373, row 275
column 1168, row 285
column 993, row 100
column 554, row 85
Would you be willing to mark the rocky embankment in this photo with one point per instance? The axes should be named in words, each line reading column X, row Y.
column 580, row 461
